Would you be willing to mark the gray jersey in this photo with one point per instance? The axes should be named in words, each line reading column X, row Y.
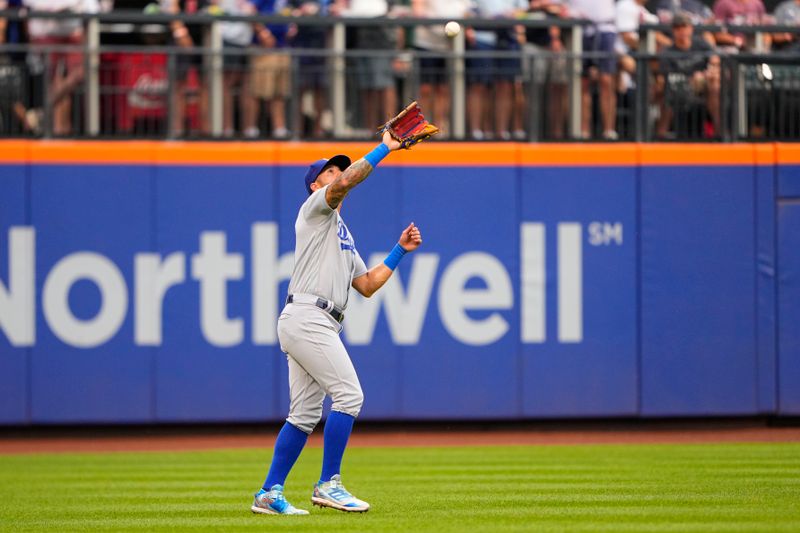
column 325, row 257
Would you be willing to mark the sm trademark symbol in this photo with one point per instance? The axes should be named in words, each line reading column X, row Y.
column 605, row 233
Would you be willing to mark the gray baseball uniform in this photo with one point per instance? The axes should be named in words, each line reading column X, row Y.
column 326, row 262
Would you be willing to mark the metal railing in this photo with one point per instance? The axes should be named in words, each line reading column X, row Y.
column 164, row 91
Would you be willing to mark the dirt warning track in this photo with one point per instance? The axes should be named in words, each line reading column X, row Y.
column 90, row 440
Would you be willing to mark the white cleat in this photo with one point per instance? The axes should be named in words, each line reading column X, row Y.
column 273, row 502
column 333, row 494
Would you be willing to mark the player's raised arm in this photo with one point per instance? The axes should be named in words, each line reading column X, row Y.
column 358, row 171
column 378, row 275
column 405, row 130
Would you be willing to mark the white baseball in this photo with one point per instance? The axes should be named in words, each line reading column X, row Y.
column 452, row 28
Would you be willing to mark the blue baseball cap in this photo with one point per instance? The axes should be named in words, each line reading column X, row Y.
column 341, row 161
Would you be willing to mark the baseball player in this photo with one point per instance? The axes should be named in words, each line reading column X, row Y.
column 327, row 264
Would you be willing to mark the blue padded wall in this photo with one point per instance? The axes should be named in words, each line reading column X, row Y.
column 598, row 376
column 103, row 210
column 789, row 307
column 14, row 392
column 698, row 291
column 679, row 284
column 765, row 194
column 788, row 181
column 195, row 378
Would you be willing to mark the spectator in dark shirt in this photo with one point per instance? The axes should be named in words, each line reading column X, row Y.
column 189, row 65
column 313, row 73
column 692, row 70
column 13, row 113
column 551, row 70
column 697, row 11
column 10, row 31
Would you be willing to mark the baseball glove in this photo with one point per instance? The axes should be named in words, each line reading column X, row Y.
column 409, row 127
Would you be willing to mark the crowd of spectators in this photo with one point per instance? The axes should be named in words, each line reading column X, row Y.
column 265, row 67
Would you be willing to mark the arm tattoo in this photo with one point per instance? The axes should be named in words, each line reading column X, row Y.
column 355, row 174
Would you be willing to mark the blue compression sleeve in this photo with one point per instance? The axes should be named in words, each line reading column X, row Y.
column 377, row 155
column 288, row 446
column 338, row 427
column 394, row 256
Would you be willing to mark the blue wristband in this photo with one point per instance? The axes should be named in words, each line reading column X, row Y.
column 394, row 256
column 377, row 155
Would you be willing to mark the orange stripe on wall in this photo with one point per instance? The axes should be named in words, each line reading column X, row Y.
column 14, row 151
column 460, row 154
column 697, row 154
column 301, row 153
column 92, row 152
column 787, row 154
column 211, row 153
column 578, row 154
column 431, row 154
column 764, row 154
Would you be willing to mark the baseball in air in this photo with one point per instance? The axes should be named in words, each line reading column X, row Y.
column 452, row 28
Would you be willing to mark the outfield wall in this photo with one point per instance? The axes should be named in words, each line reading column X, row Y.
column 554, row 280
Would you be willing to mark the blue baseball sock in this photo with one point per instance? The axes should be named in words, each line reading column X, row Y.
column 288, row 446
column 337, row 432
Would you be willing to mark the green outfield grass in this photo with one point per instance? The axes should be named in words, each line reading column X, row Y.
column 734, row 487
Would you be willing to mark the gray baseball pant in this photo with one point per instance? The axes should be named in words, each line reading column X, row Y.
column 318, row 365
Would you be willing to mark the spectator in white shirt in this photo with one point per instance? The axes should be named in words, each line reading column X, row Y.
column 374, row 75
column 434, row 90
column 236, row 38
column 787, row 13
column 599, row 40
column 630, row 15
column 64, row 66
column 697, row 11
column 498, row 73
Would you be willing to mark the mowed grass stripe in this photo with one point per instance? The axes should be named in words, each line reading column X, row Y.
column 731, row 487
column 567, row 476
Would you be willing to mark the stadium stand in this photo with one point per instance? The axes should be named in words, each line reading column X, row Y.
column 523, row 70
